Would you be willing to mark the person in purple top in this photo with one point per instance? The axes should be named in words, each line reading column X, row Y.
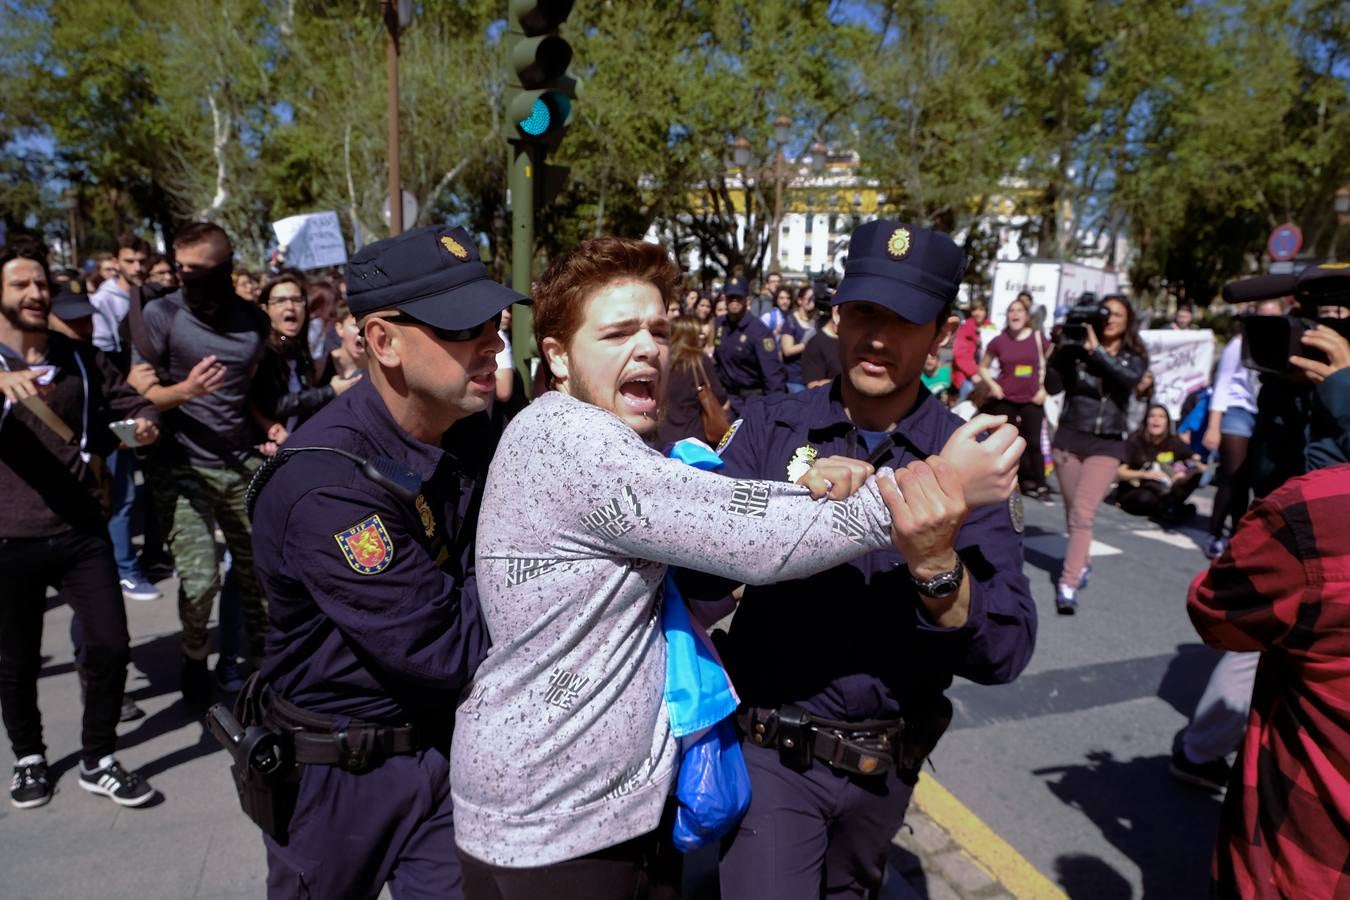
column 1019, row 389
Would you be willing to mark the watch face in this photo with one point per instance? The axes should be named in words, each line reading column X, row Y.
column 942, row 590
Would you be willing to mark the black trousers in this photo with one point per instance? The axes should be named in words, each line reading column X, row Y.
column 644, row 868
column 80, row 566
column 1028, row 418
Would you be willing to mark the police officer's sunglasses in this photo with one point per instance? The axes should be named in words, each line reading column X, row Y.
column 450, row 334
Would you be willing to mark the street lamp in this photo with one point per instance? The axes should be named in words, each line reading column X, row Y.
column 397, row 16
column 740, row 154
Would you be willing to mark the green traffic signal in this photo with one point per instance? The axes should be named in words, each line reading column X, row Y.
column 539, row 96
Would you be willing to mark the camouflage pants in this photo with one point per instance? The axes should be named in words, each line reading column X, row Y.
column 191, row 502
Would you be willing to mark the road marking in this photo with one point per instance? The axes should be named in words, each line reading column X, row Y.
column 981, row 843
column 1175, row 538
column 1055, row 545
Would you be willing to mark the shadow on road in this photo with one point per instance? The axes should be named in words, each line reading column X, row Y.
column 1087, row 876
column 1186, row 676
column 1167, row 829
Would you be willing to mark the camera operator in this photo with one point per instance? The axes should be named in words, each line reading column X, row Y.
column 1099, row 372
column 1303, row 409
column 1302, row 425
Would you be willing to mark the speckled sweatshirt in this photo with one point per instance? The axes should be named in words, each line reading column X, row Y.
column 562, row 746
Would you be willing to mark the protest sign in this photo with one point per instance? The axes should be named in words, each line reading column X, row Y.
column 311, row 241
column 1180, row 362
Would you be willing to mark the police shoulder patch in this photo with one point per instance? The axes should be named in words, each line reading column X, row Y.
column 1015, row 513
column 731, row 433
column 366, row 546
column 768, row 345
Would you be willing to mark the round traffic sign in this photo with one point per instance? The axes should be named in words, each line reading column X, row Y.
column 1285, row 242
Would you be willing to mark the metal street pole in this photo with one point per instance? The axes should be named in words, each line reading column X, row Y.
column 522, row 217
column 395, row 181
column 777, row 208
column 522, row 257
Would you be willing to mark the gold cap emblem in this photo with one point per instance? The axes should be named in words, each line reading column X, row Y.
column 454, row 246
column 898, row 244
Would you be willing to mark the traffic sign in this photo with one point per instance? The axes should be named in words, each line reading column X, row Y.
column 1285, row 242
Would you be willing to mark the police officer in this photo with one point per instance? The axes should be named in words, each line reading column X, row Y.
column 366, row 555
column 745, row 352
column 842, row 704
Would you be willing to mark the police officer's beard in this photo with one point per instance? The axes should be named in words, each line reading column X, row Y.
column 208, row 292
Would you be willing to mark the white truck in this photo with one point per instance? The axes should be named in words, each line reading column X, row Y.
column 1052, row 283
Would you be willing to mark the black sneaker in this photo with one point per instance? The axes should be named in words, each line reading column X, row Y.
column 230, row 674
column 117, row 784
column 197, row 685
column 130, row 711
column 30, row 785
column 1212, row 775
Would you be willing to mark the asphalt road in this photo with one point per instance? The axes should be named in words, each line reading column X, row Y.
column 1069, row 764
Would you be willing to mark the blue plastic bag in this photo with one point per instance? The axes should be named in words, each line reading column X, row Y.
column 713, row 790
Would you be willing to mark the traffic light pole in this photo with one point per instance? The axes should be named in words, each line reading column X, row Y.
column 522, row 216
column 522, row 255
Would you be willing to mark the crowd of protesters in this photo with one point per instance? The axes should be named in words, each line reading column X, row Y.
column 186, row 374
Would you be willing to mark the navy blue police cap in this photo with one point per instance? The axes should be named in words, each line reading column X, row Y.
column 911, row 271
column 736, row 287
column 67, row 306
column 432, row 274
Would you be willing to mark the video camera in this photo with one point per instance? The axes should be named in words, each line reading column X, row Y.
column 1089, row 311
column 1269, row 341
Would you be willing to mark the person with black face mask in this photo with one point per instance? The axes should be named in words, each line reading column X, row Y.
column 205, row 344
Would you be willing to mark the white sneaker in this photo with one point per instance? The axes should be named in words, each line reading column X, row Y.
column 139, row 589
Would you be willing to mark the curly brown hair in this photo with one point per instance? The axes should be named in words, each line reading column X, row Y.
column 575, row 277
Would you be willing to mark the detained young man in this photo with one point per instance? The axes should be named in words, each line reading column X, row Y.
column 563, row 761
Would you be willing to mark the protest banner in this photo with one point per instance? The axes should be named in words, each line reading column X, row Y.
column 1180, row 362
column 311, row 240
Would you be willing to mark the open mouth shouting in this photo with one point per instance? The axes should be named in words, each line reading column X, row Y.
column 638, row 392
column 290, row 323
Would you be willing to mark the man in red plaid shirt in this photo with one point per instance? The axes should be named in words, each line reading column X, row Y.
column 1283, row 588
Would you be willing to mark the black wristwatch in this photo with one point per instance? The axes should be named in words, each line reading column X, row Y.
column 942, row 585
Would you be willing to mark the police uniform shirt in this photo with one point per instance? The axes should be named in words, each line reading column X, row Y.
column 856, row 642
column 746, row 356
column 373, row 604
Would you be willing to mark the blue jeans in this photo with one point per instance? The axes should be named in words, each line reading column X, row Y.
column 1238, row 421
column 122, row 469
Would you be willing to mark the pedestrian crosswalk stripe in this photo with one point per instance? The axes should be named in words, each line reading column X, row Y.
column 1054, row 545
column 1175, row 538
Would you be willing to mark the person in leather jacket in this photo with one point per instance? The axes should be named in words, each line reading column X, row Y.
column 1098, row 375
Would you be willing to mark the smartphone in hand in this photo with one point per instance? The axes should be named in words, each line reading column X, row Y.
column 126, row 432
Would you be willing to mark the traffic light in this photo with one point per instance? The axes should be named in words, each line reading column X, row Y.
column 539, row 98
